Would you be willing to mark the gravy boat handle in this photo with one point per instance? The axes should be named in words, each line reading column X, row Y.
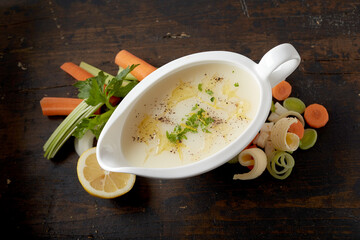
column 278, row 63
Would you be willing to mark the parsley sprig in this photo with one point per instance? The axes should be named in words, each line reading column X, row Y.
column 96, row 92
column 193, row 121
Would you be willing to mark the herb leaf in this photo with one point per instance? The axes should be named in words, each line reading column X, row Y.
column 208, row 91
column 95, row 123
column 123, row 91
column 95, row 91
column 84, row 88
column 81, row 119
column 115, row 85
column 92, row 89
column 192, row 123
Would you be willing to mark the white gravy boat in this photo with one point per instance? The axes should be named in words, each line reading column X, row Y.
column 276, row 65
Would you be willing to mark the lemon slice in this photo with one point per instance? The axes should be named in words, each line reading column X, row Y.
column 101, row 183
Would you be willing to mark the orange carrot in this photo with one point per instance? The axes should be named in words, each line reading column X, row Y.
column 75, row 71
column 316, row 115
column 58, row 106
column 114, row 100
column 251, row 145
column 125, row 59
column 282, row 90
column 297, row 128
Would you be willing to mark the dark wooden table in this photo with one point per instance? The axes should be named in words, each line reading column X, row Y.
column 43, row 199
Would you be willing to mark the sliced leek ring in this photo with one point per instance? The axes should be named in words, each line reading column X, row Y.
column 294, row 104
column 309, row 139
column 280, row 165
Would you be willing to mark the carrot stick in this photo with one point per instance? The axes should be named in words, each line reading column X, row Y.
column 282, row 90
column 75, row 71
column 297, row 128
column 124, row 59
column 58, row 106
column 316, row 115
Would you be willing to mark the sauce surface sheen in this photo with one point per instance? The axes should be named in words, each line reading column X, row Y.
column 226, row 94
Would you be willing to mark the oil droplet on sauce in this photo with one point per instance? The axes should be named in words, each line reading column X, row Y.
column 229, row 95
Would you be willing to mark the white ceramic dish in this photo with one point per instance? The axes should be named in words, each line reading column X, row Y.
column 276, row 65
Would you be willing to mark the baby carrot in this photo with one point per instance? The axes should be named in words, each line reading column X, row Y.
column 282, row 90
column 297, row 128
column 75, row 71
column 316, row 115
column 58, row 106
column 124, row 59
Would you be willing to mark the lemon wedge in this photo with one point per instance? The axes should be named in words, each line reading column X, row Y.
column 101, row 183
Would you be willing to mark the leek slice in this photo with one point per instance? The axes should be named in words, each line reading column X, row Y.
column 294, row 104
column 309, row 139
column 280, row 165
column 272, row 109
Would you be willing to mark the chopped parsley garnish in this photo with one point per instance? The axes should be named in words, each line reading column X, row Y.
column 208, row 91
column 195, row 107
column 212, row 99
column 200, row 87
column 236, row 84
column 193, row 121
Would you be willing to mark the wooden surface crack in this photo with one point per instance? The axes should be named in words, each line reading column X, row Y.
column 244, row 8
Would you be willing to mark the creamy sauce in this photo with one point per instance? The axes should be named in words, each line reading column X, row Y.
column 228, row 95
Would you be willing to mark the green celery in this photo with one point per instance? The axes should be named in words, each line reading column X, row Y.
column 64, row 131
column 95, row 71
column 95, row 96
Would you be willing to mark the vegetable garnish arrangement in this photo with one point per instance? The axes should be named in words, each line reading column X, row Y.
column 285, row 131
column 291, row 125
column 99, row 95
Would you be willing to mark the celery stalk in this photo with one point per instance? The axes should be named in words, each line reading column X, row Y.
column 95, row 71
column 64, row 131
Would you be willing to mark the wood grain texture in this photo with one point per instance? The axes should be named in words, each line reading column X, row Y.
column 43, row 199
